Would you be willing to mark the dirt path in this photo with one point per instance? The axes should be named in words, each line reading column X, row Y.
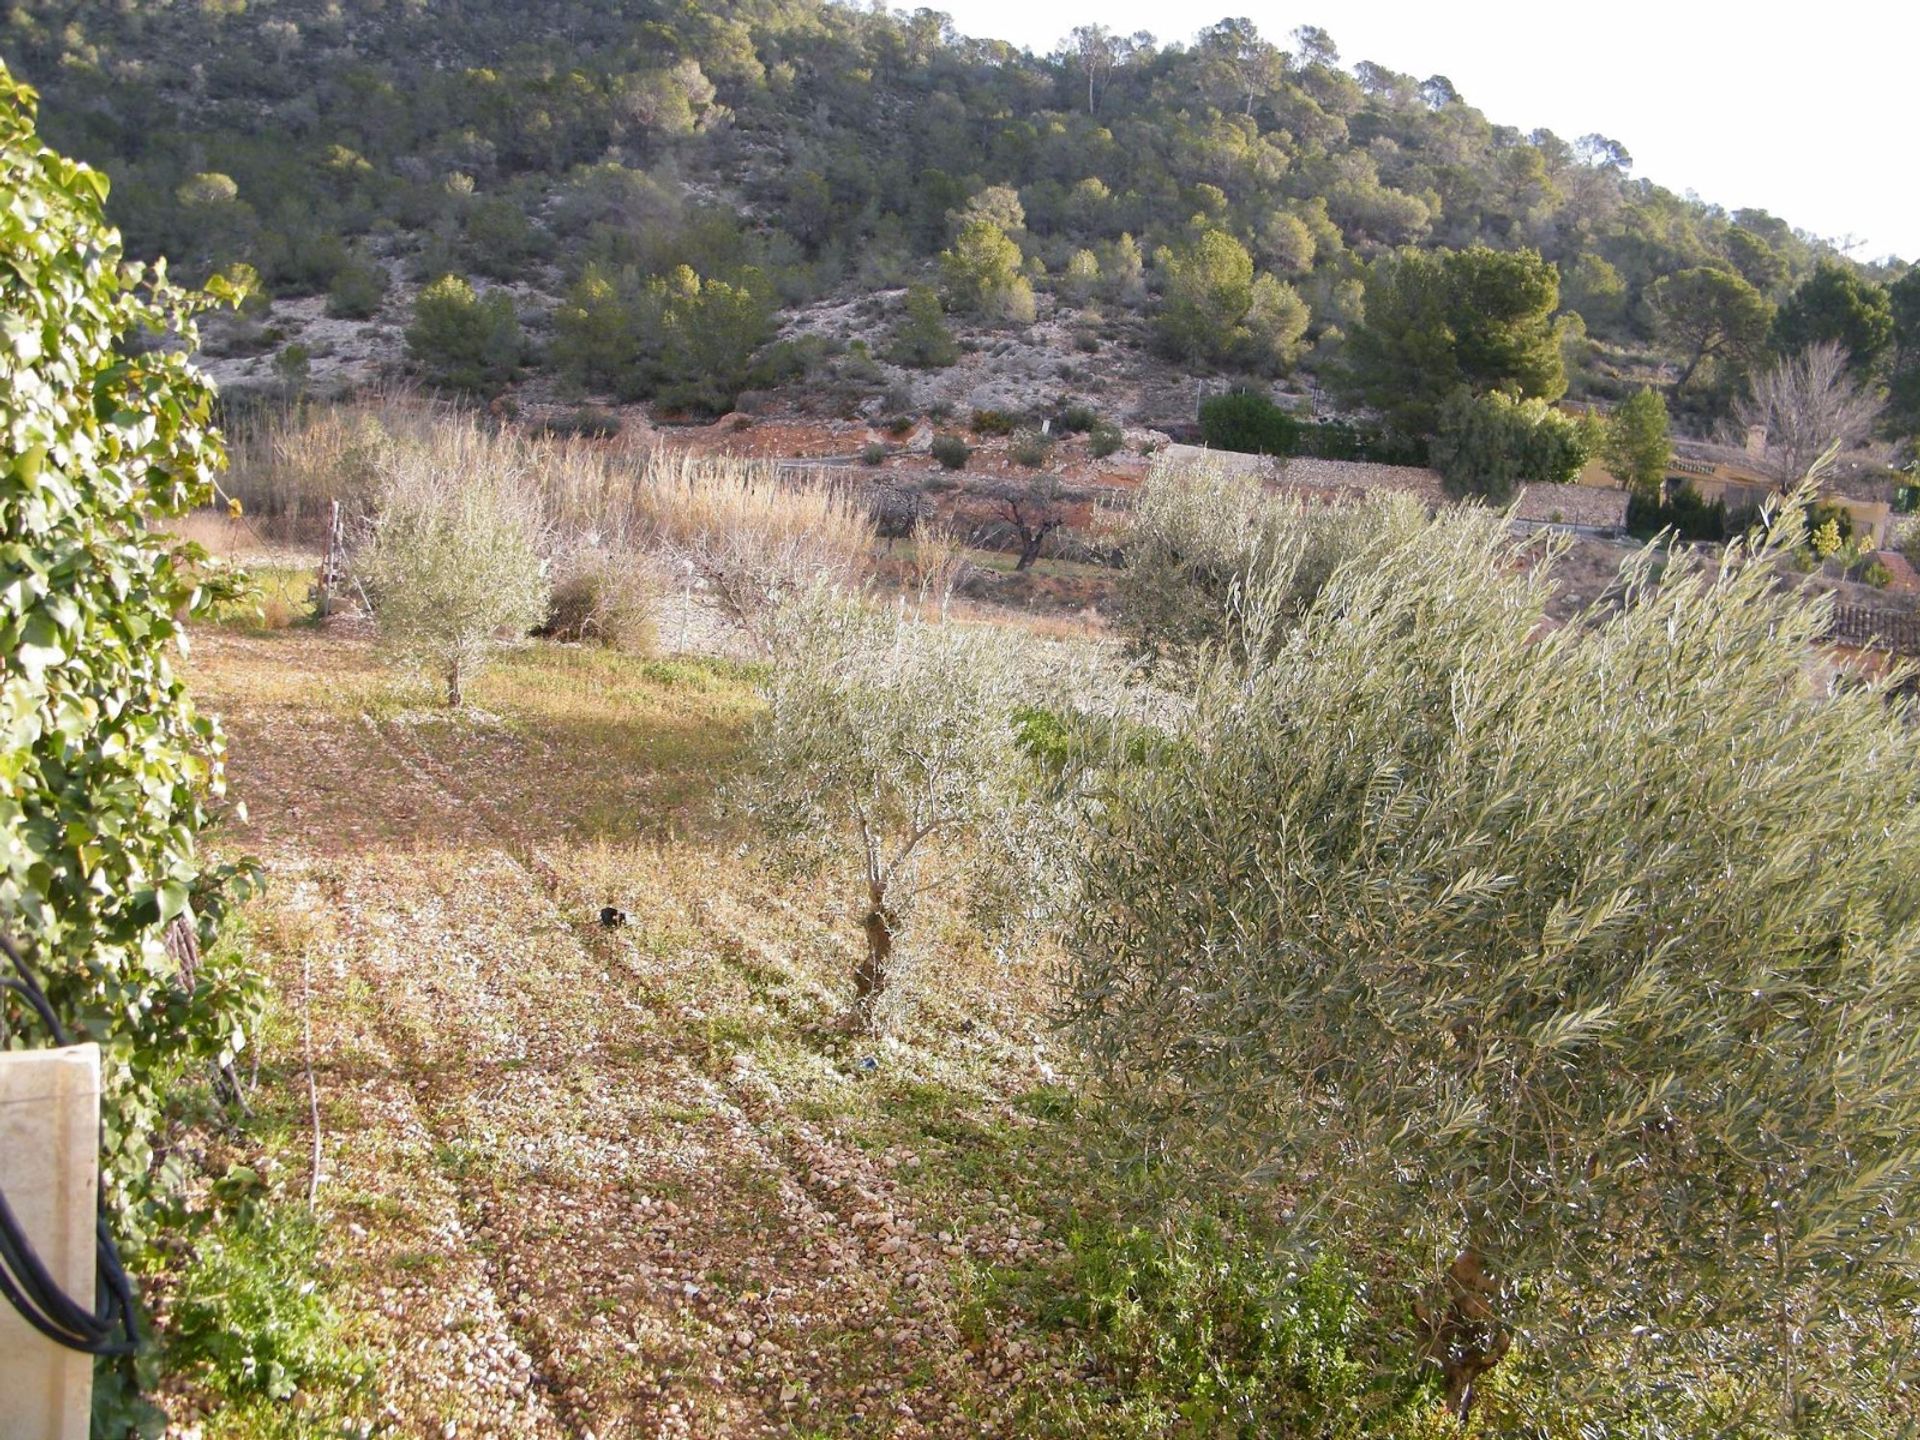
column 558, row 1207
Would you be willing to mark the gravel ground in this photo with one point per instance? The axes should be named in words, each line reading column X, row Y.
column 557, row 1201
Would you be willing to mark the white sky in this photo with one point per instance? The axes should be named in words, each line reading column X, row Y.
column 1810, row 114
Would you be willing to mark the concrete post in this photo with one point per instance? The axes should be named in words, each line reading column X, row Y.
column 49, row 1169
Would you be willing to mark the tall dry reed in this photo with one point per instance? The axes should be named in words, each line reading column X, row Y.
column 748, row 533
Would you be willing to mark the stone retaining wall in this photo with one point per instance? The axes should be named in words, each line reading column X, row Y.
column 1585, row 508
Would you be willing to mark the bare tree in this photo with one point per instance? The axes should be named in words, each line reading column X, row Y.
column 1095, row 50
column 1808, row 408
column 1034, row 511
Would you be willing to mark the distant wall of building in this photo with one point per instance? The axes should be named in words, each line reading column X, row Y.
column 1586, row 509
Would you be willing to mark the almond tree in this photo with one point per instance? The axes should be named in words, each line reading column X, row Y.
column 1810, row 407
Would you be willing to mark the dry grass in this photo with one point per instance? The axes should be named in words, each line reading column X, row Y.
column 749, row 535
column 597, row 1156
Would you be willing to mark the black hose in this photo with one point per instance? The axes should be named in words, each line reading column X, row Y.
column 112, row 1326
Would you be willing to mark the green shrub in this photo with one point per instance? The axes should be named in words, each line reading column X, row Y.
column 246, row 1319
column 951, row 451
column 785, row 361
column 873, row 453
column 1045, row 736
column 1206, row 1332
column 1248, row 423
column 1492, row 445
column 108, row 764
column 922, row 339
column 1825, row 539
column 356, row 291
column 1030, row 448
column 1345, row 440
column 292, row 367
column 1104, row 440
column 463, row 341
column 1876, row 574
column 994, row 422
column 1829, row 528
column 1684, row 513
column 982, row 274
column 900, row 426
column 1076, row 419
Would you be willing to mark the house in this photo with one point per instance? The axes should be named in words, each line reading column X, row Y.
column 1718, row 473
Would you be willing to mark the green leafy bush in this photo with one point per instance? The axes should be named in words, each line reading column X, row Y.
column 1030, row 448
column 1104, row 439
column 463, row 341
column 1249, row 423
column 1685, row 513
column 1207, row 1332
column 873, row 453
column 951, row 451
column 1491, row 445
column 982, row 274
column 994, row 422
column 107, row 764
column 356, row 291
column 1824, row 515
column 922, row 338
column 1345, row 440
column 247, row 1319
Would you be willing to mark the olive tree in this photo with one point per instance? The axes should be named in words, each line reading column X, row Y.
column 1203, row 542
column 898, row 736
column 451, row 560
column 1570, row 976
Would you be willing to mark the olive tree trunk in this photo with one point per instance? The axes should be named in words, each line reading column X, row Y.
column 1466, row 1338
column 870, row 977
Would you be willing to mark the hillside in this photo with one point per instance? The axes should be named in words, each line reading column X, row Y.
column 1124, row 219
column 785, row 856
